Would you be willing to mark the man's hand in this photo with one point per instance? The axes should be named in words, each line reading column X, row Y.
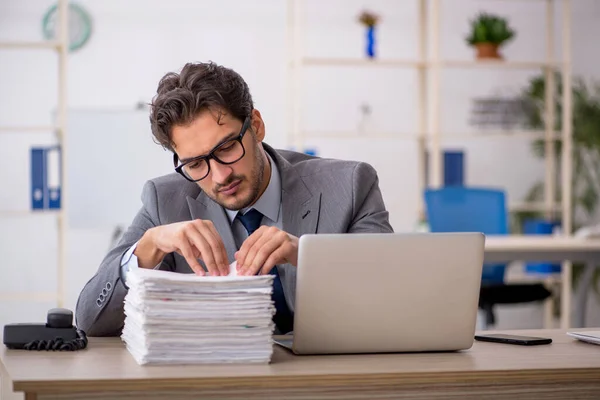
column 192, row 239
column 265, row 248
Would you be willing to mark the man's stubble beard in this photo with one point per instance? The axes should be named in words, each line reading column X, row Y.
column 256, row 181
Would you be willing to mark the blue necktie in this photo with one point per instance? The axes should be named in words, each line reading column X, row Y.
column 284, row 320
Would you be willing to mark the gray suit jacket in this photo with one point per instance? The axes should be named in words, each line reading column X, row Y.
column 318, row 196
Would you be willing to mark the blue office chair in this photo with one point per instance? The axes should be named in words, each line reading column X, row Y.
column 461, row 209
column 470, row 209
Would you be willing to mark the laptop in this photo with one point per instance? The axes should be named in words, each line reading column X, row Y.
column 381, row 293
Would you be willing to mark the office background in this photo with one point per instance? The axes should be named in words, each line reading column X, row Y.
column 132, row 45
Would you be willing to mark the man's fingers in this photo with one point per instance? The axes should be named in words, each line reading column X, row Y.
column 219, row 250
column 252, row 251
column 276, row 257
column 264, row 254
column 242, row 254
column 186, row 251
column 206, row 253
column 259, row 253
column 219, row 260
column 216, row 253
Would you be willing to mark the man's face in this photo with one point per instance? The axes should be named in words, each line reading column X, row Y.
column 233, row 186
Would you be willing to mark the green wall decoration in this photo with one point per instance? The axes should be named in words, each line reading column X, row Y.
column 80, row 25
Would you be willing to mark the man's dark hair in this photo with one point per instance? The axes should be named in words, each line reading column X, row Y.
column 198, row 87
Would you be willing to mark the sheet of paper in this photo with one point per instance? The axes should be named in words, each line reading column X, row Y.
column 589, row 337
column 158, row 275
column 233, row 269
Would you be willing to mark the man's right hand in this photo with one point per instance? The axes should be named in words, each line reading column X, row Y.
column 193, row 240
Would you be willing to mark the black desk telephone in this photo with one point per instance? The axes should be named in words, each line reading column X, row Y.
column 58, row 333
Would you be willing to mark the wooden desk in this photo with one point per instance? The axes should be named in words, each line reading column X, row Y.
column 499, row 249
column 540, row 248
column 564, row 369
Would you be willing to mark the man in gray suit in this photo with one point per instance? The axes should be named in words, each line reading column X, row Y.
column 232, row 198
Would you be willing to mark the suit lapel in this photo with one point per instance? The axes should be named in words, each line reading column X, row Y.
column 300, row 218
column 300, row 207
column 204, row 208
column 301, row 210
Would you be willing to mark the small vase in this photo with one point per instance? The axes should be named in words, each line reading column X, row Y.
column 488, row 50
column 370, row 41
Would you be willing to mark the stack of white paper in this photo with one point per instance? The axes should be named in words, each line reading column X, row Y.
column 173, row 318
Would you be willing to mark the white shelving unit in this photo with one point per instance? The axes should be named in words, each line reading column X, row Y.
column 61, row 47
column 430, row 137
column 549, row 206
column 357, row 62
column 297, row 60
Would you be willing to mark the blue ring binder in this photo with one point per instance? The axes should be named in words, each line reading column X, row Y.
column 46, row 185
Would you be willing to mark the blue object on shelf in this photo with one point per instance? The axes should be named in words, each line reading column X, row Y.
column 46, row 192
column 38, row 178
column 371, row 41
column 453, row 168
column 540, row 227
column 53, row 181
column 462, row 209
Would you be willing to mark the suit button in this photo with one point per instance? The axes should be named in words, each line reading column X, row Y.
column 98, row 302
column 108, row 286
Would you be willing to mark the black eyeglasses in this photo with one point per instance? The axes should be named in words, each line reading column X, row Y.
column 228, row 152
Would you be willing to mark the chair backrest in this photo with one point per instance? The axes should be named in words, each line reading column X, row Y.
column 469, row 209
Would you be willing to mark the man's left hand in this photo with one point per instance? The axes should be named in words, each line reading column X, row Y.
column 265, row 248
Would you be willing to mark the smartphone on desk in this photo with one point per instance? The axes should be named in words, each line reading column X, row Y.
column 513, row 339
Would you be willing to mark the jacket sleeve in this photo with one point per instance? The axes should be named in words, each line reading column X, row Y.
column 99, row 310
column 369, row 214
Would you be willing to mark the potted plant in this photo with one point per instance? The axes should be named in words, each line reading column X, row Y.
column 586, row 153
column 488, row 33
column 369, row 20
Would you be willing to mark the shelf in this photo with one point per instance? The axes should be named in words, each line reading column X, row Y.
column 41, row 128
column 24, row 213
column 359, row 135
column 31, row 45
column 532, row 206
column 515, row 1
column 445, row 136
column 528, row 277
column 495, row 64
column 359, row 62
column 408, row 63
column 484, row 134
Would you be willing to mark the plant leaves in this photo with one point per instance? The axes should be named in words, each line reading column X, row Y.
column 488, row 28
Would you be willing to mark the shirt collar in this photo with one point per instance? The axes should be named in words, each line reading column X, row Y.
column 269, row 203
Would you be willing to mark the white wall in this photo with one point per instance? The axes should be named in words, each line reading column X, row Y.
column 134, row 43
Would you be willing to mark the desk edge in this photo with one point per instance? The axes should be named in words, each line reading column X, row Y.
column 320, row 380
